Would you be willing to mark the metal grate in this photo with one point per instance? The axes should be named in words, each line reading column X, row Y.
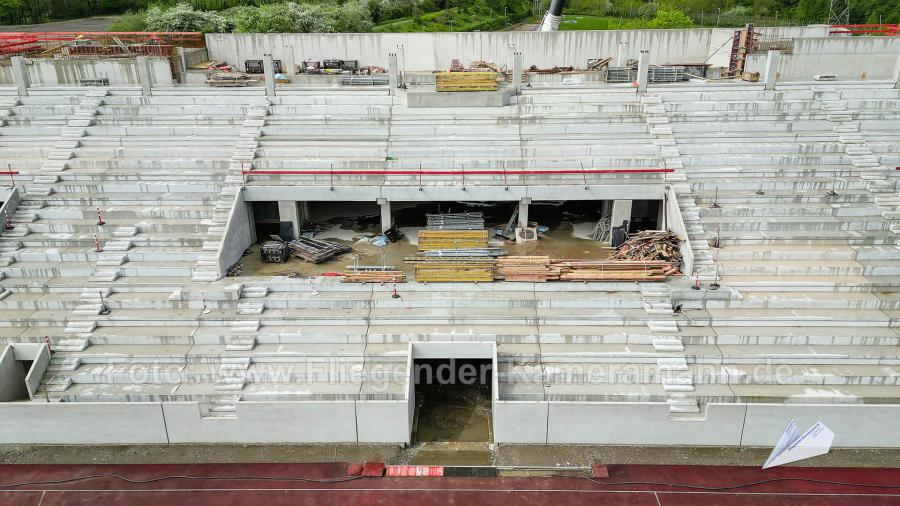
column 666, row 74
column 618, row 74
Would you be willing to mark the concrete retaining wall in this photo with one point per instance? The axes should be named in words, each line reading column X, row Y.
column 10, row 198
column 12, row 376
column 122, row 71
column 429, row 51
column 675, row 224
column 851, row 58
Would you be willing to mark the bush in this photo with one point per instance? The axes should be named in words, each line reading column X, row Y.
column 671, row 18
column 129, row 22
column 183, row 18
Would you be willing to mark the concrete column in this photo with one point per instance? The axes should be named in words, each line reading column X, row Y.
column 643, row 70
column 773, row 57
column 143, row 69
column 20, row 74
column 393, row 68
column 517, row 73
column 621, row 212
column 287, row 213
column 269, row 74
column 182, row 64
column 523, row 211
column 897, row 71
column 386, row 221
column 622, row 54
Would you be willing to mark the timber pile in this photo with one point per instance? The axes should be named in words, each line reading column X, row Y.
column 374, row 277
column 455, row 221
column 452, row 239
column 533, row 269
column 450, row 271
column 316, row 250
column 465, row 81
column 650, row 245
column 615, row 270
column 465, row 252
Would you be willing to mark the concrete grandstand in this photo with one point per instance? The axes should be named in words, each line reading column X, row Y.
column 783, row 190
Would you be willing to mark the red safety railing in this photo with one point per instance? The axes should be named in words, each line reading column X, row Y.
column 444, row 172
column 866, row 29
column 28, row 42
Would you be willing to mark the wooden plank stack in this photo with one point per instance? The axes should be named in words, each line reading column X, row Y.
column 452, row 239
column 455, row 221
column 465, row 81
column 650, row 245
column 615, row 270
column 534, row 269
column 374, row 277
column 316, row 250
column 449, row 271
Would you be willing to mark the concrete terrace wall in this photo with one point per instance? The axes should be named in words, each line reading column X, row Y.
column 238, row 235
column 122, row 71
column 851, row 58
column 429, row 51
column 12, row 377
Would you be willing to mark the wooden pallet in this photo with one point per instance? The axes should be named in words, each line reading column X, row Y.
column 532, row 269
column 374, row 277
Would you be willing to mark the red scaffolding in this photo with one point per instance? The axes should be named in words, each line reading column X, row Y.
column 88, row 43
column 866, row 29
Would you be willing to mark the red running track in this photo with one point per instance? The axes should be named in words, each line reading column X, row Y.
column 439, row 491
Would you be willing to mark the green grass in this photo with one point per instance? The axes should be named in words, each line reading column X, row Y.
column 454, row 19
column 585, row 22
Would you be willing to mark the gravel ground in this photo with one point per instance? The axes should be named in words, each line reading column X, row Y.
column 504, row 455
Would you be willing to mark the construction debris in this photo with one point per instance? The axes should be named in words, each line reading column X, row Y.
column 452, row 239
column 465, row 81
column 229, row 79
column 534, row 269
column 374, row 277
column 455, row 221
column 650, row 245
column 534, row 69
column 598, row 63
column 235, row 270
column 290, row 273
column 274, row 252
column 316, row 250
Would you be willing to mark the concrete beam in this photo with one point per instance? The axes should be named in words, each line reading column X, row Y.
column 287, row 214
column 622, row 54
column 269, row 74
column 643, row 70
column 20, row 75
column 517, row 72
column 144, row 75
column 319, row 193
column 621, row 212
column 773, row 58
column 386, row 220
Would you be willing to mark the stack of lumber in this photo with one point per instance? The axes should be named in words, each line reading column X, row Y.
column 447, row 271
column 374, row 277
column 455, row 221
column 315, row 250
column 650, row 245
column 452, row 239
column 533, row 269
column 465, row 81
column 615, row 270
column 465, row 252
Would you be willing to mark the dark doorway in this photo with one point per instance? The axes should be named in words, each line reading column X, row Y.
column 644, row 215
column 265, row 215
column 453, row 400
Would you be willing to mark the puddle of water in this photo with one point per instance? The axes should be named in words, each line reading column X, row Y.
column 460, row 413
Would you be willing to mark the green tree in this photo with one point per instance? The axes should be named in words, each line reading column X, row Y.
column 669, row 17
column 10, row 10
column 183, row 18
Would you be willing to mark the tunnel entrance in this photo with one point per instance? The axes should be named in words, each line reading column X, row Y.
column 453, row 400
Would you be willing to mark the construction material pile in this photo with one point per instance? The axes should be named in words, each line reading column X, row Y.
column 470, row 270
column 464, row 252
column 533, row 269
column 650, row 245
column 455, row 221
column 229, row 79
column 465, row 81
column 614, row 270
column 452, row 239
column 274, row 252
column 316, row 250
column 374, row 277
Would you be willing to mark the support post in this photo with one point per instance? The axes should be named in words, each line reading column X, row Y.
column 289, row 218
column 393, row 69
column 517, row 72
column 621, row 212
column 386, row 221
column 523, row 211
column 269, row 74
column 143, row 71
column 20, row 74
column 643, row 70
column 622, row 54
column 773, row 57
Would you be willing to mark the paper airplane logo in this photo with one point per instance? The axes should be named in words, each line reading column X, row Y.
column 793, row 447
